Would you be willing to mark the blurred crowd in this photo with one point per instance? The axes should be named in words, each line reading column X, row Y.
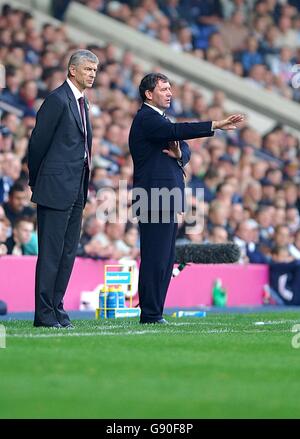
column 250, row 181
column 255, row 39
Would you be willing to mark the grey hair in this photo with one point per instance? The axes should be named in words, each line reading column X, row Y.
column 81, row 55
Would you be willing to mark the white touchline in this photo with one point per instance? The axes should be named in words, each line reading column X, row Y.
column 142, row 332
column 277, row 322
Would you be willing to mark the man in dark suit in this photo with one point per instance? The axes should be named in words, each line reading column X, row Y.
column 59, row 164
column 159, row 155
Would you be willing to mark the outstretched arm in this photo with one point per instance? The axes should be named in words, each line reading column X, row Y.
column 158, row 128
column 228, row 124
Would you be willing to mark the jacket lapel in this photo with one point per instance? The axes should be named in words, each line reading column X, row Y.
column 74, row 107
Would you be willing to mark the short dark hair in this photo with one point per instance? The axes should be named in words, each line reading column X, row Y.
column 25, row 219
column 211, row 173
column 217, row 227
column 149, row 83
column 280, row 226
column 16, row 187
column 277, row 249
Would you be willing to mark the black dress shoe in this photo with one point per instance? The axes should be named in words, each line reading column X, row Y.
column 160, row 321
column 68, row 326
column 55, row 325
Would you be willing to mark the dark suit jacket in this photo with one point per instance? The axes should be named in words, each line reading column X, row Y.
column 56, row 151
column 149, row 135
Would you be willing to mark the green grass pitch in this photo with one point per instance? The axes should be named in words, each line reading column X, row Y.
column 220, row 366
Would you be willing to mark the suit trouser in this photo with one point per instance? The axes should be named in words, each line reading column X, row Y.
column 157, row 242
column 58, row 236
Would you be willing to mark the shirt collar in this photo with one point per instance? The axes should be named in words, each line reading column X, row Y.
column 75, row 90
column 155, row 108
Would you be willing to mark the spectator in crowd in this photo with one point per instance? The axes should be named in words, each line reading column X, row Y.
column 218, row 235
column 251, row 56
column 3, row 235
column 281, row 254
column 236, row 216
column 13, row 79
column 218, row 215
column 21, row 235
column 6, row 139
column 89, row 244
column 208, row 183
column 246, row 237
column 110, row 238
column 292, row 218
column 17, row 205
column 268, row 192
column 282, row 65
column 287, row 35
column 184, row 39
column 283, row 237
column 28, row 93
column 264, row 218
column 193, row 232
column 128, row 246
column 295, row 247
column 234, row 31
column 225, row 193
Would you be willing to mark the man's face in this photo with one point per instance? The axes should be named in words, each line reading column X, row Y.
column 220, row 236
column 3, row 231
column 245, row 233
column 84, row 74
column 160, row 97
column 131, row 237
column 22, row 233
column 282, row 237
column 17, row 201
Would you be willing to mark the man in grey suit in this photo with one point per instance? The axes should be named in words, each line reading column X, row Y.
column 59, row 166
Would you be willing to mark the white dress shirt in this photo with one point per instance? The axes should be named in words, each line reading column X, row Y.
column 76, row 93
column 161, row 112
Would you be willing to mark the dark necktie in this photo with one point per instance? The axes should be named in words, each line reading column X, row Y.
column 83, row 119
